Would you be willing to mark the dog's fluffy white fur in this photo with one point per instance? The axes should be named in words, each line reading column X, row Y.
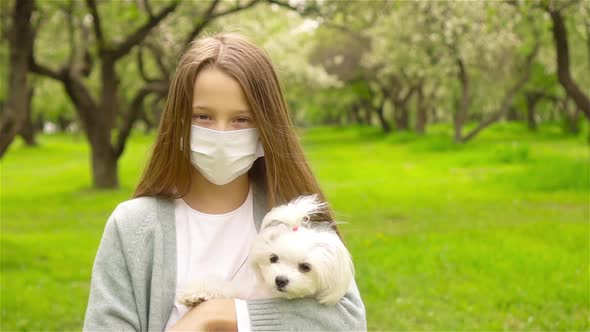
column 293, row 256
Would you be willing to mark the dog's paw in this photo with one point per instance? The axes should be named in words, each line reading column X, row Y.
column 193, row 299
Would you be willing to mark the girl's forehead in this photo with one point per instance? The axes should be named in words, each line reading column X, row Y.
column 216, row 91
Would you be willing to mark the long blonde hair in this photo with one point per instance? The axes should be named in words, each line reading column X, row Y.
column 284, row 171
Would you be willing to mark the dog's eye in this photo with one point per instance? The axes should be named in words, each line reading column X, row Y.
column 274, row 258
column 304, row 267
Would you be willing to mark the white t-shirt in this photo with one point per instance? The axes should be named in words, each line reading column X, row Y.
column 216, row 246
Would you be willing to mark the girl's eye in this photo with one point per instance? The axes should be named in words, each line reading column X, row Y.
column 200, row 116
column 243, row 120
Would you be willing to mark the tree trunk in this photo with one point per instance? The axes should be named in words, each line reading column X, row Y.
column 382, row 121
column 97, row 127
column 531, row 103
column 21, row 36
column 27, row 132
column 512, row 114
column 570, row 117
column 63, row 122
column 368, row 112
column 461, row 113
column 402, row 117
column 104, row 163
column 433, row 115
column 563, row 64
column 574, row 122
column 355, row 114
column 39, row 122
column 401, row 113
column 422, row 115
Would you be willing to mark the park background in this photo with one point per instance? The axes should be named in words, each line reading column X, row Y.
column 452, row 138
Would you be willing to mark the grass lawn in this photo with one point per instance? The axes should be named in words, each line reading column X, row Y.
column 491, row 235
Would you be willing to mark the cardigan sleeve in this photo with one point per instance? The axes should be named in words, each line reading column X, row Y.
column 111, row 303
column 308, row 314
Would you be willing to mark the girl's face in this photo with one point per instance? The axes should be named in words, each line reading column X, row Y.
column 219, row 103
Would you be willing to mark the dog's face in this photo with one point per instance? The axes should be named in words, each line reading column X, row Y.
column 303, row 263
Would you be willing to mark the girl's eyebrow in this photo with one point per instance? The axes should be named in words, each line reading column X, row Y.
column 212, row 110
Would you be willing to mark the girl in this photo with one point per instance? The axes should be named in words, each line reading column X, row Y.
column 226, row 152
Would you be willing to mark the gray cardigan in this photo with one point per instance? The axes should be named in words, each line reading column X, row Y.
column 134, row 278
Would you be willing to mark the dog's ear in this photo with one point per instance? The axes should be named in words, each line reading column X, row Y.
column 274, row 223
column 294, row 213
column 272, row 229
column 334, row 267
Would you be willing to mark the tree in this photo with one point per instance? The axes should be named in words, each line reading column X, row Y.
column 341, row 45
column 20, row 36
column 407, row 62
column 556, row 11
column 108, row 112
column 98, row 115
column 483, row 38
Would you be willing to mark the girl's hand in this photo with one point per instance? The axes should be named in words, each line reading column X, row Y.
column 211, row 315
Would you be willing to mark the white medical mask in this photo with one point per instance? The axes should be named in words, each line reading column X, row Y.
column 222, row 156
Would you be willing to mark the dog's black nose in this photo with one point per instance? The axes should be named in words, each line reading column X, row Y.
column 281, row 281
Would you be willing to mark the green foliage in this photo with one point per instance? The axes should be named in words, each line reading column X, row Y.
column 328, row 59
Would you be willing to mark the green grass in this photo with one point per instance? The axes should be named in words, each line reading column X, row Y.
column 490, row 235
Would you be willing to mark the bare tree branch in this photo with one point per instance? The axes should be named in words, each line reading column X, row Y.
column 135, row 38
column 40, row 69
column 204, row 21
column 135, row 110
column 559, row 6
column 305, row 10
column 235, row 9
column 69, row 10
column 4, row 19
column 148, row 8
column 158, row 55
column 141, row 66
column 210, row 16
column 510, row 93
column 85, row 104
column 58, row 75
column 301, row 9
column 96, row 23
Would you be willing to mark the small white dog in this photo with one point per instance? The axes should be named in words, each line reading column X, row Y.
column 294, row 257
